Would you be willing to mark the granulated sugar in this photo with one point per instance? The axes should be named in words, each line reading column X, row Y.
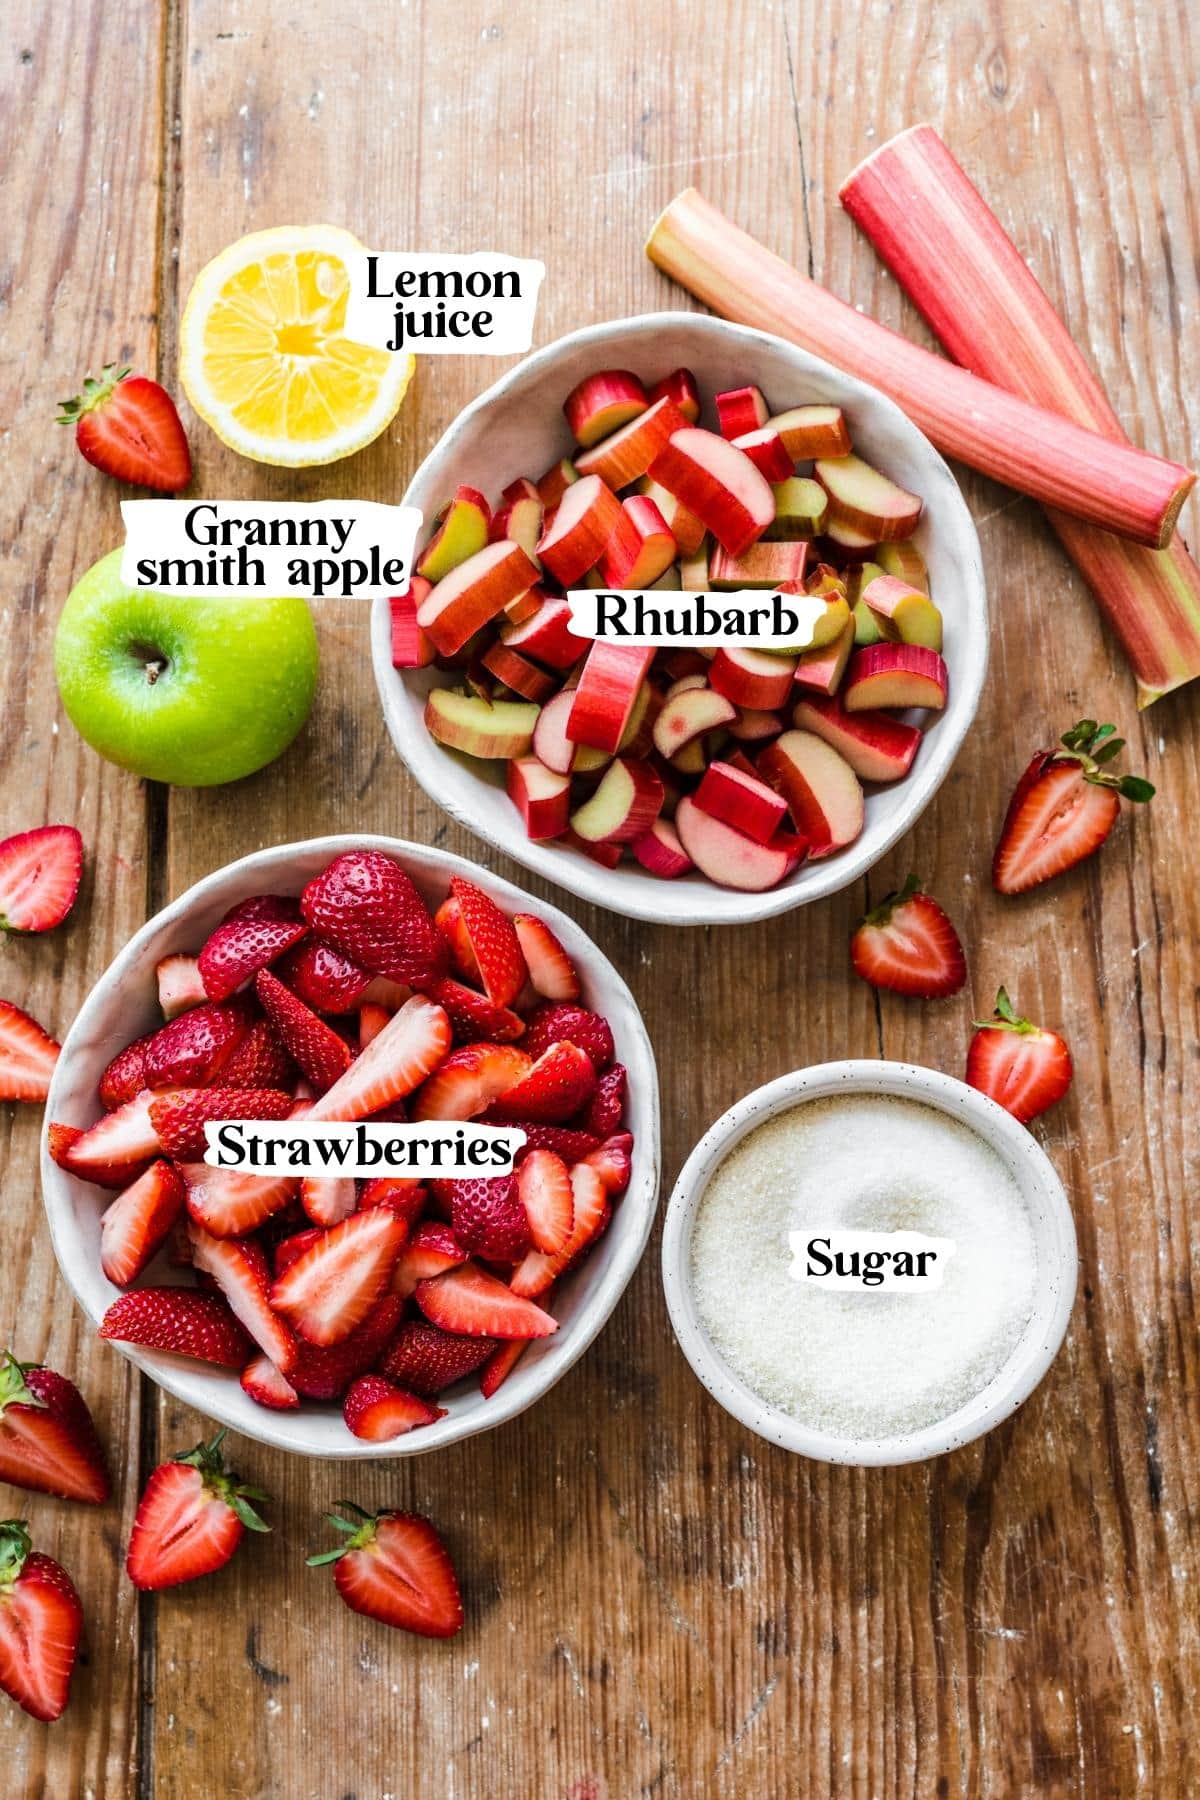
column 864, row 1363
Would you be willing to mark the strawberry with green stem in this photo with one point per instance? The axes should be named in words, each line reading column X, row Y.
column 190, row 1519
column 1064, row 807
column 1023, row 1067
column 395, row 1568
column 41, row 1623
column 127, row 425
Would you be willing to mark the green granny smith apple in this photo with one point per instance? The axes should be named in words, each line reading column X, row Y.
column 192, row 689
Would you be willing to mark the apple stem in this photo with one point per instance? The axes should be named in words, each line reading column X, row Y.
column 154, row 669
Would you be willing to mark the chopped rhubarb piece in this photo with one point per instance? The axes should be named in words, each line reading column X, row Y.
column 757, row 679
column 491, row 729
column 547, row 636
column 608, row 688
column 766, row 451
column 587, row 517
column 411, row 647
column 767, row 564
column 822, row 669
column 555, row 482
column 634, row 560
column 603, row 402
column 518, row 673
column 628, row 453
column 742, row 801
column 462, row 530
column 680, row 387
column 627, row 801
column 811, row 431
column 740, row 410
column 660, row 851
column 717, row 483
column 821, row 789
column 541, row 795
column 877, row 747
column 474, row 592
column 899, row 675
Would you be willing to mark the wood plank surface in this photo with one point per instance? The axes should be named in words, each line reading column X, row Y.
column 658, row 1602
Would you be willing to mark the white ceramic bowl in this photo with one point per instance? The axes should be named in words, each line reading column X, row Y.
column 517, row 427
column 1053, row 1232
column 123, row 1004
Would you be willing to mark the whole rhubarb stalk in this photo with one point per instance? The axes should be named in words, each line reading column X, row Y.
column 956, row 263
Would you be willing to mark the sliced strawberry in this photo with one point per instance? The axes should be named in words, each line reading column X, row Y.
column 383, row 991
column 259, row 1061
column 449, row 921
column 1024, row 1068
column 330, row 1290
column 427, row 1359
column 592, row 1211
column 551, row 971
column 375, row 1410
column 473, row 1303
column 127, row 426
column 544, row 1187
column 41, row 1623
column 606, row 1108
column 369, row 909
column 179, row 1115
column 371, row 1021
column 328, row 1199
column 500, row 1365
column 229, row 1203
column 190, row 1519
column 907, row 944
column 179, row 985
column 48, row 1442
column 571, row 1145
column 322, row 977
column 558, row 1084
column 324, row 1373
column 182, row 1320
column 251, row 935
column 125, row 1076
column 1065, row 805
column 486, row 1216
column 432, row 1249
column 473, row 1017
column 135, row 1224
column 27, row 1055
column 494, row 944
column 265, row 1384
column 400, row 1193
column 39, row 877
column 395, row 1568
column 191, row 1050
column 291, row 1248
column 242, row 1273
column 556, row 1022
column 116, row 1149
column 469, row 1080
column 613, row 1162
column 410, row 1045
column 308, row 1040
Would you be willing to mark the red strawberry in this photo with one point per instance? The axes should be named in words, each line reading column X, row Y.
column 1022, row 1067
column 41, row 1623
column 191, row 1050
column 908, row 944
column 558, row 1084
column 404, row 1196
column 410, row 1045
column 426, row 1359
column 324, row 1373
column 309, row 1041
column 370, row 910
column 375, row 1410
column 115, row 1150
column 190, row 1519
column 544, row 1186
column 1064, row 807
column 329, row 1291
column 27, row 1055
column 486, row 1216
column 449, row 921
column 432, row 1248
column 265, row 1384
column 48, row 1442
column 242, row 1273
column 551, row 971
column 182, row 1320
column 371, row 1021
column 607, row 1106
column 500, row 1365
column 125, row 1076
column 251, row 935
column 469, row 1080
column 538, row 1272
column 127, row 425
column 493, row 940
column 472, row 1016
column 613, row 1162
column 394, row 1567
column 571, row 1145
column 322, row 977
column 259, row 1061
column 289, row 1249
column 138, row 1221
column 473, row 1303
column 229, row 1203
column 328, row 1199
column 553, row 1022
column 39, row 877
column 179, row 985
column 179, row 1115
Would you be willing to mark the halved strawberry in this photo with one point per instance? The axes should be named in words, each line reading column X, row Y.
column 1024, row 1068
column 115, row 1150
column 138, row 1221
column 127, row 426
column 39, row 877
column 41, row 1623
column 449, row 921
column 375, row 1410
column 558, row 1022
column 486, row 1215
column 427, row 1359
column 291, row 1248
column 500, row 1365
column 190, row 1519
column 908, row 944
column 308, row 1040
column 606, row 1108
column 402, row 1194
column 328, row 1199
column 179, row 985
column 229, row 1203
column 473, row 1303
column 27, row 1055
column 410, row 1045
column 469, row 1080
column 369, row 909
column 325, row 1372
column 613, row 1162
column 559, row 1083
column 182, row 1320
column 332, row 1288
column 48, row 1442
column 251, row 935
column 268, row 1386
column 190, row 1051
column 1063, row 809
column 551, row 971
column 544, row 1186
column 592, row 1212
column 179, row 1115
column 322, row 977
column 432, row 1248
column 242, row 1273
column 473, row 1017
column 125, row 1076
column 493, row 940
column 564, row 1140
column 259, row 1061
column 394, row 1567
column 371, row 1021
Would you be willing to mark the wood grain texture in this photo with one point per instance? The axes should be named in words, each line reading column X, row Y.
column 658, row 1603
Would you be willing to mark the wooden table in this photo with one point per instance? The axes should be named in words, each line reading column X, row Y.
column 658, row 1603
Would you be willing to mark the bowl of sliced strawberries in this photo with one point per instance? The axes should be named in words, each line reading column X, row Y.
column 681, row 454
column 345, row 980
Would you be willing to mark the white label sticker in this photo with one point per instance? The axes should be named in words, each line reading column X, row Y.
column 898, row 1261
column 433, row 303
column 761, row 617
column 316, row 1147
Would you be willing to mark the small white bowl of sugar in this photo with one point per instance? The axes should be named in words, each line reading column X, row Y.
column 869, row 1262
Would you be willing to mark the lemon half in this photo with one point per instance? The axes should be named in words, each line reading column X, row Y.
column 263, row 358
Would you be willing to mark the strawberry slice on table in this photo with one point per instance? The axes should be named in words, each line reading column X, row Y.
column 182, row 1320
column 322, row 977
column 41, row 1623
column 1023, row 1067
column 469, row 1080
column 127, row 426
column 538, row 1273
column 558, row 1022
column 486, row 1216
column 472, row 1016
column 191, row 1051
column 908, row 945
column 410, row 1047
column 39, row 877
column 312, row 1044
column 395, row 1568
column 325, row 1372
column 243, row 1274
column 138, row 1221
column 367, row 907
column 266, row 1385
column 375, row 1410
column 1064, row 807
column 48, row 1442
column 432, row 1248
column 229, row 1203
column 473, row 1303
column 559, row 1083
column 495, row 946
column 115, row 1150
column 551, row 971
column 191, row 1518
column 252, row 934
column 179, row 1115
column 260, row 1061
column 125, row 1076
column 544, row 1187
column 426, row 1359
column 27, row 1055
column 606, row 1108
column 328, row 1292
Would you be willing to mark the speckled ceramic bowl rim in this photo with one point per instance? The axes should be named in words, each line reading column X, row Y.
column 1054, row 1236
column 316, row 1429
